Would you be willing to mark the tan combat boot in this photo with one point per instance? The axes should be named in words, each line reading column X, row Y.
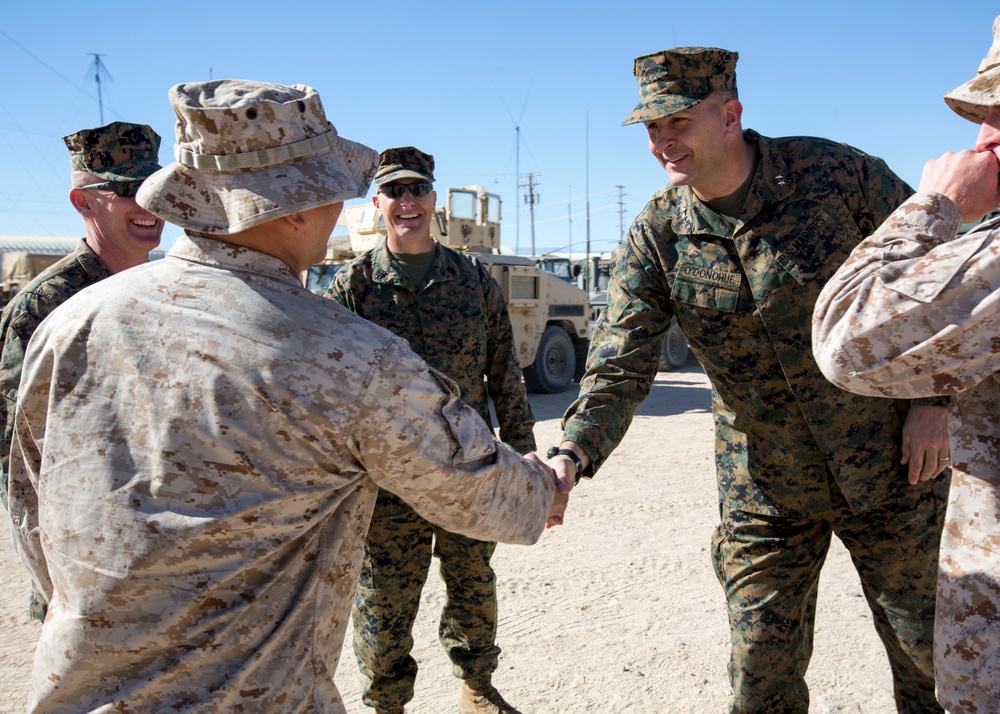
column 479, row 696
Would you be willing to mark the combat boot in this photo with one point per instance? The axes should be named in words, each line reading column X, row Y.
column 479, row 696
column 393, row 710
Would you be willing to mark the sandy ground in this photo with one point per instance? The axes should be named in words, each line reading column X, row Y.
column 616, row 611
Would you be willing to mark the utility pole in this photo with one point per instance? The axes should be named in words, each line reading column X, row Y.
column 569, row 217
column 531, row 198
column 99, row 69
column 621, row 214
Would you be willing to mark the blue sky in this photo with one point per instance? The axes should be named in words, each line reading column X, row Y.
column 457, row 79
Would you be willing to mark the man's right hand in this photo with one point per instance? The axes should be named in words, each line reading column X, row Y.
column 969, row 178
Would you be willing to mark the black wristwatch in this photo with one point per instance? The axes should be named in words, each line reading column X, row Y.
column 556, row 451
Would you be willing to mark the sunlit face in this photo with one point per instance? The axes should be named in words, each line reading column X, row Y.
column 690, row 144
column 121, row 222
column 406, row 217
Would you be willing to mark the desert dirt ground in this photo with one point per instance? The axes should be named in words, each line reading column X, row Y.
column 616, row 611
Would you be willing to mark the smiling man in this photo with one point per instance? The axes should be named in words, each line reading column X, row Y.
column 737, row 247
column 452, row 313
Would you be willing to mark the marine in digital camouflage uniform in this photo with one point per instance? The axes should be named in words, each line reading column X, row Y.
column 221, row 434
column 915, row 311
column 737, row 247
column 119, row 235
column 452, row 313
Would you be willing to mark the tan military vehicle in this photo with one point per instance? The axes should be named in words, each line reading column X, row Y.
column 578, row 271
column 550, row 317
column 24, row 257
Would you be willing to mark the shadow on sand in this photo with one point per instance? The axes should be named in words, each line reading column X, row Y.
column 678, row 392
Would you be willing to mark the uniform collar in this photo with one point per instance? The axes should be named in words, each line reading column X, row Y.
column 772, row 182
column 229, row 256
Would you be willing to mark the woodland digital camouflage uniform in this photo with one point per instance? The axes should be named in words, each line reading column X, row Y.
column 915, row 311
column 788, row 443
column 458, row 322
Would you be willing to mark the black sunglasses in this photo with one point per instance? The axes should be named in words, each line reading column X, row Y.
column 417, row 189
column 125, row 189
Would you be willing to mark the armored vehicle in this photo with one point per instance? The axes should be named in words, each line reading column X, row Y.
column 549, row 317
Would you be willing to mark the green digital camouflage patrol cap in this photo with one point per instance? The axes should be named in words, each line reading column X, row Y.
column 404, row 162
column 250, row 152
column 118, row 151
column 973, row 99
column 676, row 79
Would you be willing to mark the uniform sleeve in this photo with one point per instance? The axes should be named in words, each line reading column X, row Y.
column 20, row 320
column 419, row 440
column 914, row 311
column 504, row 381
column 624, row 351
column 28, row 421
column 338, row 289
column 884, row 192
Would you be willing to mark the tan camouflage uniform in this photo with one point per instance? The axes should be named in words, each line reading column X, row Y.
column 456, row 320
column 189, row 492
column 797, row 459
column 199, row 441
column 915, row 311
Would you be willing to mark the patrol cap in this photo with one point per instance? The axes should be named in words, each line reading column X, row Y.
column 404, row 162
column 118, row 151
column 250, row 152
column 672, row 80
column 974, row 98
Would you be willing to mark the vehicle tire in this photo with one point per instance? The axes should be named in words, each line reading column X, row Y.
column 555, row 363
column 675, row 348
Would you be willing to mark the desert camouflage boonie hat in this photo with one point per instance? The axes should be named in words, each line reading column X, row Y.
column 404, row 162
column 676, row 79
column 118, row 151
column 249, row 152
column 974, row 98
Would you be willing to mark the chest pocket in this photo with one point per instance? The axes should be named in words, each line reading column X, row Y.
column 818, row 244
column 715, row 288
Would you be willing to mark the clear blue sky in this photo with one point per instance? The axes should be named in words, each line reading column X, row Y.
column 456, row 79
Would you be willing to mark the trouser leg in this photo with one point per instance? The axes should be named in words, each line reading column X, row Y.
column 396, row 560
column 769, row 567
column 894, row 547
column 468, row 624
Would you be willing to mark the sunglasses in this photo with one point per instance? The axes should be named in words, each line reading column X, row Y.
column 416, row 189
column 125, row 189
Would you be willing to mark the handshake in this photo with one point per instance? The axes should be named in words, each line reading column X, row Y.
column 565, row 463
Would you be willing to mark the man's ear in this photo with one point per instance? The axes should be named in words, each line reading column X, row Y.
column 297, row 220
column 732, row 111
column 78, row 197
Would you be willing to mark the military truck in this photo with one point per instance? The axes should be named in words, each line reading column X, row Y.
column 24, row 257
column 550, row 318
column 578, row 271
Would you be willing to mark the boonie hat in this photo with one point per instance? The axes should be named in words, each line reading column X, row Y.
column 118, row 151
column 249, row 152
column 974, row 98
column 404, row 162
column 676, row 79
